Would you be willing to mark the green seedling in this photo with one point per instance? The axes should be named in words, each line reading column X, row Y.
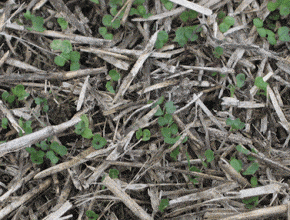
column 235, row 124
column 26, row 126
column 62, row 23
column 254, row 181
column 209, row 154
column 114, row 173
column 43, row 101
column 184, row 34
column 104, row 32
column 115, row 76
column 145, row 134
column 236, row 164
column 140, row 10
column 37, row 22
column 67, row 54
column 283, row 33
column 241, row 78
column 163, row 204
column 107, row 21
column 47, row 150
column 282, row 5
column 226, row 24
column 174, row 154
column 162, row 38
column 218, row 51
column 186, row 15
column 263, row 32
column 82, row 128
column 92, row 215
column 261, row 84
column 109, row 87
column 192, row 168
column 18, row 91
column 251, row 202
column 159, row 112
column 251, row 170
column 167, row 4
column 95, row 1
column 221, row 15
column 98, row 141
column 4, row 123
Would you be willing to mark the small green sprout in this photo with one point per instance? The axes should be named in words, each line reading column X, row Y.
column 162, row 38
column 62, row 23
column 254, row 181
column 218, row 51
column 107, row 21
column 184, row 34
column 109, row 87
column 26, row 126
column 221, row 15
column 89, row 213
column 175, row 153
column 51, row 149
column 226, row 24
column 191, row 168
column 167, row 4
column 163, row 204
column 170, row 107
column 235, row 124
column 261, row 84
column 282, row 5
column 145, row 134
column 37, row 22
column 43, row 101
column 191, row 14
column 283, row 33
column 209, row 154
column 251, row 169
column 166, row 120
column 103, row 31
column 98, row 141
column 114, row 75
column 236, row 164
column 19, row 92
column 95, row 1
column 241, row 78
column 4, row 123
column 67, row 54
column 113, row 173
column 82, row 128
column 251, row 202
column 159, row 102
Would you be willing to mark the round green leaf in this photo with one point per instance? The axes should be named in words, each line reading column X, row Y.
column 59, row 149
column 272, row 6
column 56, row 44
column 113, row 173
column 110, row 87
column 258, row 22
column 103, row 30
column 251, row 169
column 66, row 46
column 74, row 56
column 240, row 80
column 108, row 36
column 59, row 60
column 224, row 27
column 62, row 23
column 162, row 36
column 209, row 154
column 116, row 24
column 74, row 66
column 236, row 164
column 141, row 9
column 51, row 156
column 114, row 75
column 262, row 32
column 146, row 135
column 184, row 16
column 107, row 20
column 229, row 21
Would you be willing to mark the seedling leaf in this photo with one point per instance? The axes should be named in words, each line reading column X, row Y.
column 114, row 75
column 98, row 141
column 59, row 149
column 113, row 173
column 240, row 80
column 236, row 164
column 50, row 155
column 170, row 108
column 252, row 169
column 62, row 23
column 163, row 204
column 209, row 154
